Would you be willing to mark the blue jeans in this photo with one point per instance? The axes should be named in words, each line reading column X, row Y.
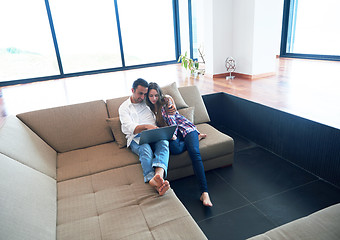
column 151, row 156
column 191, row 143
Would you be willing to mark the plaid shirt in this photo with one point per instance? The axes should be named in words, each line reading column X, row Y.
column 183, row 124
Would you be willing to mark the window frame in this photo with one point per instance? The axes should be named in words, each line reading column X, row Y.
column 177, row 39
column 288, row 30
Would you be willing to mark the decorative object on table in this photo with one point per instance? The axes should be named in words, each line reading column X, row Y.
column 230, row 65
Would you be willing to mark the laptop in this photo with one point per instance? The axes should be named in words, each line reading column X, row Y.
column 154, row 135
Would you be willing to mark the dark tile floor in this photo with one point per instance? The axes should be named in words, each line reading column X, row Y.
column 260, row 191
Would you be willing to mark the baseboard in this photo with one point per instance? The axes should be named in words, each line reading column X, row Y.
column 244, row 76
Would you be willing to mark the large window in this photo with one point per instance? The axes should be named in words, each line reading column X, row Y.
column 148, row 35
column 197, row 10
column 191, row 18
column 52, row 39
column 26, row 44
column 184, row 26
column 311, row 29
column 86, row 33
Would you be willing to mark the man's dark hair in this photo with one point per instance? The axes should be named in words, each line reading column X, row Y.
column 139, row 81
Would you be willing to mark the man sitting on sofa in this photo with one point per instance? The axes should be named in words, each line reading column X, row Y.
column 135, row 117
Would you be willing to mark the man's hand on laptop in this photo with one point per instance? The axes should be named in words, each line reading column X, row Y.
column 143, row 127
column 149, row 126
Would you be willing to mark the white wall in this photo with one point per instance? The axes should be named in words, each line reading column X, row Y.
column 267, row 35
column 243, row 35
column 223, row 30
column 247, row 30
column 218, row 29
column 208, row 36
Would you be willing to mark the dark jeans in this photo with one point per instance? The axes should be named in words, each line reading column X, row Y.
column 191, row 143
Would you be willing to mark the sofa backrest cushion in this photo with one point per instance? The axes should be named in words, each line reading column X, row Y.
column 116, row 128
column 114, row 104
column 71, row 127
column 28, row 200
column 188, row 113
column 172, row 90
column 19, row 142
column 193, row 98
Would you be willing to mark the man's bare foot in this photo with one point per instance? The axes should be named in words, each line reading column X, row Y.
column 156, row 181
column 159, row 184
column 165, row 187
column 206, row 199
column 201, row 136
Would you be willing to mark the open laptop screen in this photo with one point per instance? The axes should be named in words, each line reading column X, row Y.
column 154, row 135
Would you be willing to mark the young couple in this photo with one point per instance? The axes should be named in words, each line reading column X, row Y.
column 147, row 108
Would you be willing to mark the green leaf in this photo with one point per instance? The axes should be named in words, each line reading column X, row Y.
column 190, row 64
column 185, row 64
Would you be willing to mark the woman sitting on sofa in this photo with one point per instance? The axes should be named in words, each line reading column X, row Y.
column 186, row 136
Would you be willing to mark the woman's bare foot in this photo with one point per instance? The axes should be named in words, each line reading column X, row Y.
column 165, row 187
column 201, row 136
column 206, row 199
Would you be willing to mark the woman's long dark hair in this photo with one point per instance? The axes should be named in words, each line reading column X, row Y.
column 156, row 108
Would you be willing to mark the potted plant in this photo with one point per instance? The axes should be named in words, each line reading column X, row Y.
column 188, row 63
column 192, row 65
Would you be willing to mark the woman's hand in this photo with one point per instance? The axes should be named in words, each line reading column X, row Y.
column 171, row 106
column 172, row 109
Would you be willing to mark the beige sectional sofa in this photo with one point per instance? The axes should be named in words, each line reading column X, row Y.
column 63, row 175
column 321, row 225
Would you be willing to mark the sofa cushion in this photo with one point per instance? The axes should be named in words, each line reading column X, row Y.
column 116, row 128
column 85, row 229
column 19, row 142
column 193, row 98
column 172, row 90
column 216, row 144
column 188, row 113
column 28, row 202
column 117, row 204
column 83, row 162
column 71, row 127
